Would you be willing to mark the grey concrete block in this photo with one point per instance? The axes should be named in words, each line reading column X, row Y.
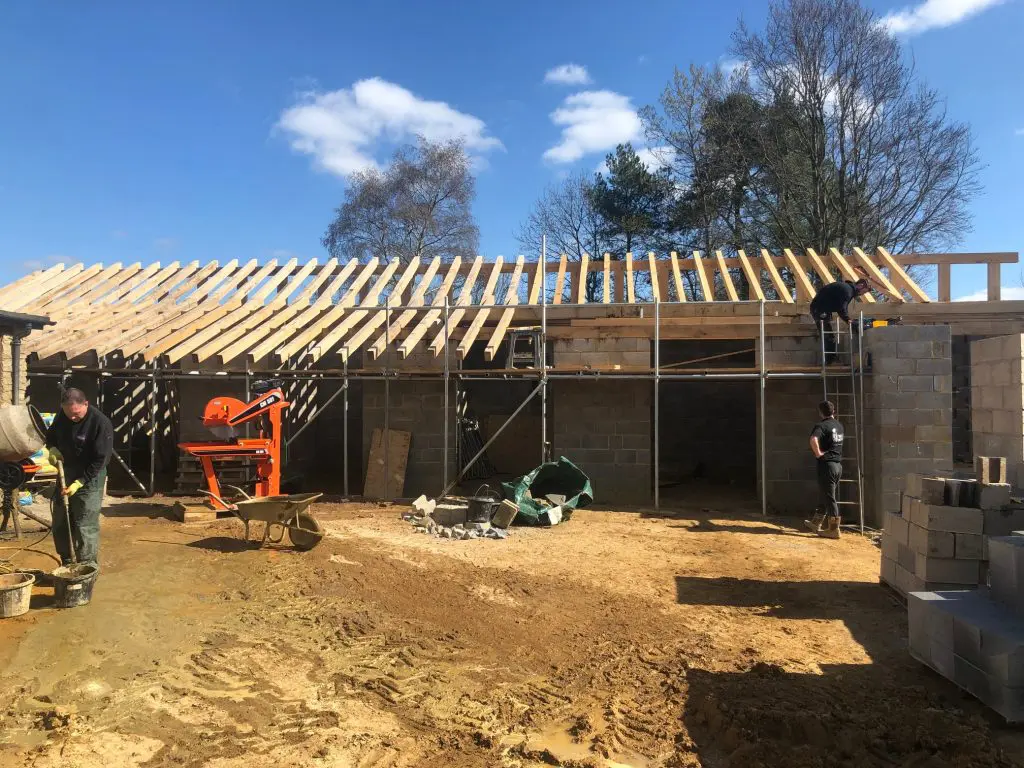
column 933, row 490
column 1002, row 522
column 1007, row 701
column 993, row 496
column 916, row 384
column 897, row 527
column 888, row 572
column 969, row 546
column 931, row 542
column 1006, row 570
column 915, row 349
column 906, row 557
column 946, row 570
column 951, row 519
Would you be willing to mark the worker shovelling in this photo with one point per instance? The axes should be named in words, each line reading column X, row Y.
column 80, row 440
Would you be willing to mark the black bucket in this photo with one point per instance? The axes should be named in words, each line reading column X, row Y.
column 482, row 505
column 72, row 585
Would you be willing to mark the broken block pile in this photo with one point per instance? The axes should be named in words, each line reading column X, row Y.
column 449, row 520
column 939, row 538
column 975, row 638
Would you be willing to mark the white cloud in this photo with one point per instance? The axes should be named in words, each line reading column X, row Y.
column 1009, row 292
column 165, row 243
column 593, row 121
column 731, row 66
column 568, row 74
column 933, row 14
column 46, row 262
column 653, row 158
column 119, row 234
column 341, row 128
column 1019, row 132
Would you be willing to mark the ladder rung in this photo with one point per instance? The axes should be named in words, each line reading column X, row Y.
column 848, row 503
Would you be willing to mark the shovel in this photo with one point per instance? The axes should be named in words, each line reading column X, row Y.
column 62, row 486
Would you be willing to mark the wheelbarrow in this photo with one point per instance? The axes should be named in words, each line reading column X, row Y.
column 288, row 513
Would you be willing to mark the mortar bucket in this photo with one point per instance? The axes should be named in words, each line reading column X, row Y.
column 15, row 594
column 72, row 585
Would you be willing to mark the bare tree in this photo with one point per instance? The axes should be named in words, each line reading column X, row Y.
column 566, row 215
column 419, row 205
column 855, row 151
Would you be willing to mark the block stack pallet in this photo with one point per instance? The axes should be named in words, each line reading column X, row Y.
column 975, row 638
column 938, row 540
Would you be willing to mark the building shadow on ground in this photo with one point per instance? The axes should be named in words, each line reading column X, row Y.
column 140, row 509
column 891, row 711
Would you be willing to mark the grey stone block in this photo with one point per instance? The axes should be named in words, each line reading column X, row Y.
column 969, row 546
column 1006, row 570
column 897, row 527
column 946, row 570
column 916, row 384
column 1002, row 522
column 888, row 572
column 933, row 490
column 1007, row 701
column 951, row 519
column 915, row 349
column 932, row 543
column 993, row 495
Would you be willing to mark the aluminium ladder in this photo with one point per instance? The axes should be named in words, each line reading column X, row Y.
column 843, row 384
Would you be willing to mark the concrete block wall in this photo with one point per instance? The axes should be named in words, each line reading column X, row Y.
column 416, row 407
column 997, row 406
column 791, row 408
column 578, row 353
column 908, row 411
column 605, row 428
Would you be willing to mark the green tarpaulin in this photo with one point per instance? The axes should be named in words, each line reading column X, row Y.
column 561, row 477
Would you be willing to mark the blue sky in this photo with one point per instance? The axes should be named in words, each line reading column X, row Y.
column 198, row 130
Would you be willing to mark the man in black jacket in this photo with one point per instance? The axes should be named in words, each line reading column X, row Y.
column 835, row 298
column 83, row 439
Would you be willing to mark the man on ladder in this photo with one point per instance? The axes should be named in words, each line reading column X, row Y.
column 834, row 298
column 827, row 447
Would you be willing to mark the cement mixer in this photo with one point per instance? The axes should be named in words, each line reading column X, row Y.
column 22, row 434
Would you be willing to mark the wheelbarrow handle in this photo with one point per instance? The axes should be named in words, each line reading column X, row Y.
column 228, row 505
column 236, row 488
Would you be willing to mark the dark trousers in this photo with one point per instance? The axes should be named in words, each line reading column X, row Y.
column 827, row 332
column 829, row 475
column 84, row 509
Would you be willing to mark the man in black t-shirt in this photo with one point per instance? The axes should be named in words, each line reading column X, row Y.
column 827, row 447
column 834, row 298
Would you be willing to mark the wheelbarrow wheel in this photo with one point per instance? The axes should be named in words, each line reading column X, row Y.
column 305, row 532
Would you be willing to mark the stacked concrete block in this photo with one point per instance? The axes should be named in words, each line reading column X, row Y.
column 997, row 405
column 940, row 537
column 930, row 545
column 908, row 411
column 976, row 638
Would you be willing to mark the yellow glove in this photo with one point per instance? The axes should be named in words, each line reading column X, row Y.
column 74, row 488
column 55, row 455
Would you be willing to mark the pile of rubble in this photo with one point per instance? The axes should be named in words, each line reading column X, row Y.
column 449, row 520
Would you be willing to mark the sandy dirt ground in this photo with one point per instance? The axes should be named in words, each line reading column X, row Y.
column 616, row 639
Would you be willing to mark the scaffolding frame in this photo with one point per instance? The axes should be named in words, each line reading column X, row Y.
column 544, row 376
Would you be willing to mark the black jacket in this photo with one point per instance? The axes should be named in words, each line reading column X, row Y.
column 834, row 297
column 86, row 445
